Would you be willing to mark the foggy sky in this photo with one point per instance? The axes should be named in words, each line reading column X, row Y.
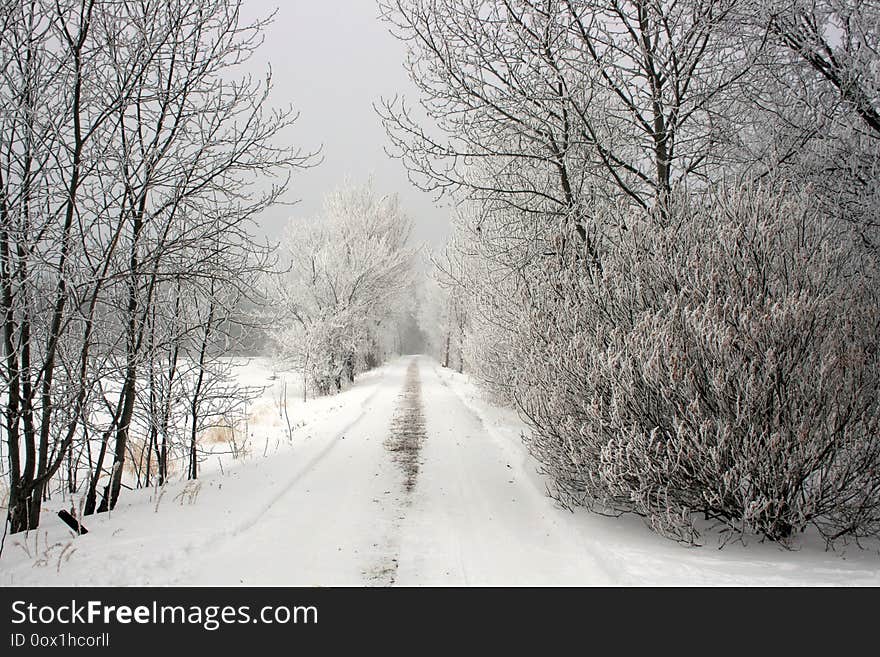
column 331, row 59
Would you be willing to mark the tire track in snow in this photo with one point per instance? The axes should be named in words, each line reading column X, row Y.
column 404, row 443
column 305, row 470
column 408, row 428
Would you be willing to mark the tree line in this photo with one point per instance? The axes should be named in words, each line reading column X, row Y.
column 666, row 254
column 129, row 150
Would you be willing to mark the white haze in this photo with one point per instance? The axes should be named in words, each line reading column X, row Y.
column 332, row 61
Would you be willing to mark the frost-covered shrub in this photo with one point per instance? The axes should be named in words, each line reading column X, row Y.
column 495, row 263
column 721, row 359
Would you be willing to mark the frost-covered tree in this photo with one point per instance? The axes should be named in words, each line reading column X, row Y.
column 442, row 319
column 725, row 363
column 127, row 162
column 665, row 247
column 348, row 270
column 821, row 112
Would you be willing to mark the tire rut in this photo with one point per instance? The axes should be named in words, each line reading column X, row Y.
column 404, row 444
column 408, row 429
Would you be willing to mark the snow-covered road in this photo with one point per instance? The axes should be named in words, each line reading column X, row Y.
column 452, row 509
column 475, row 516
column 335, row 522
column 409, row 478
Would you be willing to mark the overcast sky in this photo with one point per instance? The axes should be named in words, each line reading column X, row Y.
column 332, row 59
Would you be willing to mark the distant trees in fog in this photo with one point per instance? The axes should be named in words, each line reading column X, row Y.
column 348, row 271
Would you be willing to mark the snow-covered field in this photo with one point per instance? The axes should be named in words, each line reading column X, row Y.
column 407, row 478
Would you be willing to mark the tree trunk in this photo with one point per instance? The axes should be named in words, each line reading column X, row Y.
column 19, row 513
column 122, row 437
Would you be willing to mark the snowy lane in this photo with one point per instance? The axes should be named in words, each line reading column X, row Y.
column 331, row 523
column 481, row 515
column 476, row 516
column 395, row 502
column 407, row 478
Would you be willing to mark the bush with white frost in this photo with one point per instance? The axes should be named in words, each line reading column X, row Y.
column 720, row 361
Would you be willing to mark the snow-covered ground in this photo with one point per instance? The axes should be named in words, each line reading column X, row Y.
column 408, row 478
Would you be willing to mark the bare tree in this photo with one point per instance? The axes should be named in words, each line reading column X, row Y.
column 540, row 105
column 192, row 144
column 55, row 125
column 127, row 157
